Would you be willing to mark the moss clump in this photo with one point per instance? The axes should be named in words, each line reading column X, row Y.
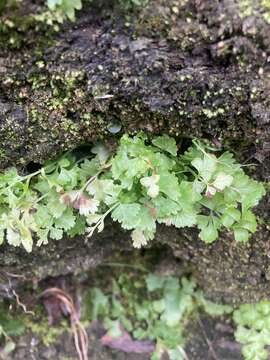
column 266, row 15
column 40, row 326
column 3, row 156
column 20, row 25
column 255, row 8
column 48, row 334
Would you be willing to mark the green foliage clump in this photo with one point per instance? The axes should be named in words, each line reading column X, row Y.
column 266, row 8
column 151, row 308
column 259, row 8
column 9, row 327
column 67, row 7
column 62, row 9
column 129, row 4
column 43, row 330
column 144, row 183
column 253, row 329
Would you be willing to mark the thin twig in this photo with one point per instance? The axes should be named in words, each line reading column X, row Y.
column 13, row 275
column 182, row 351
column 22, row 305
column 19, row 303
column 207, row 340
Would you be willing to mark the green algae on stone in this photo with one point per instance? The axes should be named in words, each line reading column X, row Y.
column 266, row 14
column 44, row 331
column 259, row 8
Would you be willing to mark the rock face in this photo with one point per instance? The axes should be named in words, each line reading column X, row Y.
column 189, row 68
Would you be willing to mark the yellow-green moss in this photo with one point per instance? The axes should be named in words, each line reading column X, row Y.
column 47, row 333
column 211, row 113
column 251, row 7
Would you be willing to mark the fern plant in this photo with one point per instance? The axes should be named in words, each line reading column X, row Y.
column 253, row 329
column 151, row 307
column 9, row 327
column 67, row 7
column 144, row 183
column 129, row 4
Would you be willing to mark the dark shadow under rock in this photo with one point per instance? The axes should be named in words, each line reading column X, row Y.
column 228, row 272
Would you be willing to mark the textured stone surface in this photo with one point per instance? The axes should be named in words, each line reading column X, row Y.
column 188, row 68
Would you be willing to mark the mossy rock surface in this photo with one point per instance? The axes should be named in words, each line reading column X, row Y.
column 47, row 341
column 186, row 68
